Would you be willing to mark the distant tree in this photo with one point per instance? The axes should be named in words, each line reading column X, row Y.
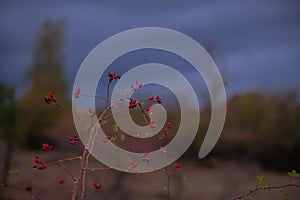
column 46, row 68
column 8, row 130
column 45, row 73
column 262, row 127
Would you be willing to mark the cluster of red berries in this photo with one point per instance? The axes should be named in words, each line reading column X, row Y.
column 151, row 123
column 165, row 131
column 133, row 164
column 46, row 147
column 133, row 103
column 138, row 84
column 50, row 98
column 74, row 140
column 176, row 166
column 158, row 99
column 41, row 165
column 112, row 77
column 169, row 125
column 77, row 93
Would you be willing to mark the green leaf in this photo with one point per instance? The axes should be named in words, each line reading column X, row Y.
column 262, row 183
column 285, row 193
column 113, row 139
column 248, row 198
column 293, row 174
column 115, row 128
column 122, row 137
column 260, row 178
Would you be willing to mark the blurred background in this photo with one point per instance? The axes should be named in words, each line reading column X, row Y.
column 255, row 45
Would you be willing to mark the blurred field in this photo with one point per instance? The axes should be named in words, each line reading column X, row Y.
column 208, row 179
column 260, row 137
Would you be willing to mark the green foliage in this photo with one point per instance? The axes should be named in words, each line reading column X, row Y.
column 115, row 128
column 261, row 182
column 249, row 198
column 293, row 175
column 8, row 116
column 285, row 193
column 117, row 135
column 262, row 185
column 262, row 127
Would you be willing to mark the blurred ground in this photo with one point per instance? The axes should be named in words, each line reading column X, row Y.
column 206, row 180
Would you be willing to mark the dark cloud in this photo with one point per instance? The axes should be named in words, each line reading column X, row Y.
column 256, row 41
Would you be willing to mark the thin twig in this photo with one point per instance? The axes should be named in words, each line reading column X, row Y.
column 76, row 180
column 265, row 188
column 85, row 158
column 147, row 119
column 97, row 168
column 94, row 96
column 107, row 95
column 67, row 110
column 63, row 160
column 61, row 165
column 63, row 107
column 84, row 175
column 89, row 194
column 168, row 183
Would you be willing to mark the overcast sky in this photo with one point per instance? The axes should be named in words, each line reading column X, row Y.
column 256, row 43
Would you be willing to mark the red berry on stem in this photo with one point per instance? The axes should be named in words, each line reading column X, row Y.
column 177, row 165
column 97, row 186
column 115, row 76
column 77, row 93
column 165, row 132
column 61, row 180
column 47, row 100
column 28, row 188
column 45, row 147
column 158, row 99
column 151, row 98
column 169, row 125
